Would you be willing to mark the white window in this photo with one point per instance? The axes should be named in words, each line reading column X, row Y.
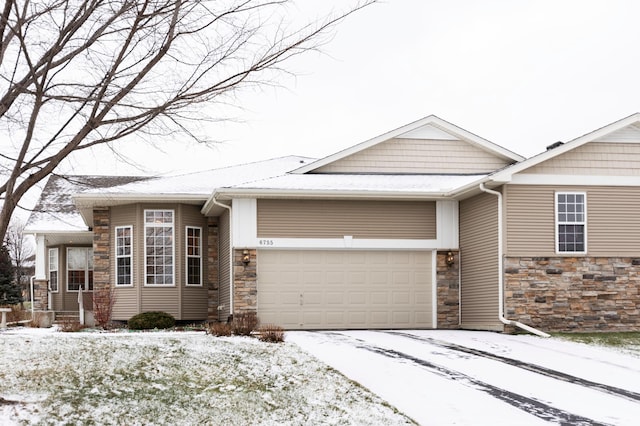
column 124, row 255
column 159, row 247
column 53, row 270
column 193, row 245
column 571, row 222
column 79, row 268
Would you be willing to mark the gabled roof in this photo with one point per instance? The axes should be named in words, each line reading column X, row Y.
column 505, row 175
column 56, row 210
column 430, row 127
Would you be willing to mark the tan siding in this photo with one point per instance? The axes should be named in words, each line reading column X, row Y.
column 613, row 223
column 594, row 158
column 194, row 299
column 181, row 302
column 529, row 220
column 224, row 247
column 417, row 156
column 127, row 302
column 335, row 219
column 479, row 262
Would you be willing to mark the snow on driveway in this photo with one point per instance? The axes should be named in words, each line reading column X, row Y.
column 483, row 378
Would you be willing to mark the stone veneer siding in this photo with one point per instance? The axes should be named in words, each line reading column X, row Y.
column 213, row 262
column 573, row 293
column 101, row 247
column 40, row 295
column 448, row 289
column 245, row 288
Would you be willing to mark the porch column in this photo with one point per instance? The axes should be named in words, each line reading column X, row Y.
column 41, row 283
column 101, row 246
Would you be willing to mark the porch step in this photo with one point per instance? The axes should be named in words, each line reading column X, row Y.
column 66, row 317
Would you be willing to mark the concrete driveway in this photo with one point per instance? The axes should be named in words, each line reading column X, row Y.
column 483, row 378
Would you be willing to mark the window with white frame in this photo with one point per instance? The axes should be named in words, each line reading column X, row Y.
column 53, row 270
column 124, row 255
column 79, row 268
column 159, row 247
column 571, row 221
column 193, row 246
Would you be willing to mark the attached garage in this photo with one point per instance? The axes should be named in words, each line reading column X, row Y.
column 339, row 289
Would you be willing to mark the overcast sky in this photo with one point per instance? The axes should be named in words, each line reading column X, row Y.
column 520, row 73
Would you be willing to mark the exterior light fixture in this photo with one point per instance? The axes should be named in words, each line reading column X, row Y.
column 245, row 257
column 449, row 259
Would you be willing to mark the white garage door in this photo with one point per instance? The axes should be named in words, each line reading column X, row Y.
column 313, row 289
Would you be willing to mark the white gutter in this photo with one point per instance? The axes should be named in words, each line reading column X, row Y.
column 231, row 274
column 501, row 271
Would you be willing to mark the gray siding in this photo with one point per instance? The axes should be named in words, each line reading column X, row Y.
column 335, row 219
column 417, row 156
column 479, row 263
column 613, row 223
column 225, row 271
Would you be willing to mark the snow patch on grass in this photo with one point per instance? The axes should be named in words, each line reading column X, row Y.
column 174, row 378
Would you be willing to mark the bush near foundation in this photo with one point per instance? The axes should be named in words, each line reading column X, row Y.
column 271, row 333
column 244, row 323
column 151, row 320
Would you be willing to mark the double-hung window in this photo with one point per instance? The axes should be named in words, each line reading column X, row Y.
column 79, row 268
column 159, row 247
column 124, row 255
column 571, row 222
column 53, row 270
column 194, row 255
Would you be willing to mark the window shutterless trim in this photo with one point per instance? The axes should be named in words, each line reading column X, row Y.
column 157, row 220
column 119, row 256
column 575, row 222
column 54, row 267
column 191, row 256
column 88, row 269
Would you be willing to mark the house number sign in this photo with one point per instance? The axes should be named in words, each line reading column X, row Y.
column 266, row 242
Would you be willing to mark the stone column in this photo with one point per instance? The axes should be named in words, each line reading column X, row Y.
column 448, row 289
column 101, row 249
column 213, row 268
column 245, row 296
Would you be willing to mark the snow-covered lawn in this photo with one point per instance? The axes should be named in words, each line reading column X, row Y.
column 173, row 378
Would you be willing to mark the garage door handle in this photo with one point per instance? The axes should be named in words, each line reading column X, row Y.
column 301, row 299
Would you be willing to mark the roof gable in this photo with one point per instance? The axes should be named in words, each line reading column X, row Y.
column 427, row 146
column 624, row 131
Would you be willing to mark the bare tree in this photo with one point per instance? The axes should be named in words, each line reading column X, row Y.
column 20, row 249
column 75, row 74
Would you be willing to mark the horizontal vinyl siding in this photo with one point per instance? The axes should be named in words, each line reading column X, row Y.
column 417, row 156
column 595, row 158
column 613, row 222
column 335, row 219
column 184, row 303
column 529, row 220
column 479, row 262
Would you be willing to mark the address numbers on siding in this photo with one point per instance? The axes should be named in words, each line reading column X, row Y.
column 266, row 242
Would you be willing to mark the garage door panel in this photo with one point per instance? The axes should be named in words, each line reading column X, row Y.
column 317, row 289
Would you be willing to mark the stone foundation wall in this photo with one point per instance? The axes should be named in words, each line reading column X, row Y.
column 573, row 293
column 448, row 288
column 245, row 292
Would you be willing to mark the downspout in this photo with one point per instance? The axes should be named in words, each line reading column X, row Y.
column 501, row 271
column 231, row 274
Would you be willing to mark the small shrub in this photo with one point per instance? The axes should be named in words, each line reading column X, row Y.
column 70, row 325
column 103, row 300
column 245, row 323
column 151, row 320
column 271, row 333
column 219, row 329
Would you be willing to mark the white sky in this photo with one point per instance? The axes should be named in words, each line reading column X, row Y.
column 520, row 73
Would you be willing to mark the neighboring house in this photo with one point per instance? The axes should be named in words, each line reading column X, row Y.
column 426, row 226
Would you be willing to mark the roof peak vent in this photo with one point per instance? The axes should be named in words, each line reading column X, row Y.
column 554, row 145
